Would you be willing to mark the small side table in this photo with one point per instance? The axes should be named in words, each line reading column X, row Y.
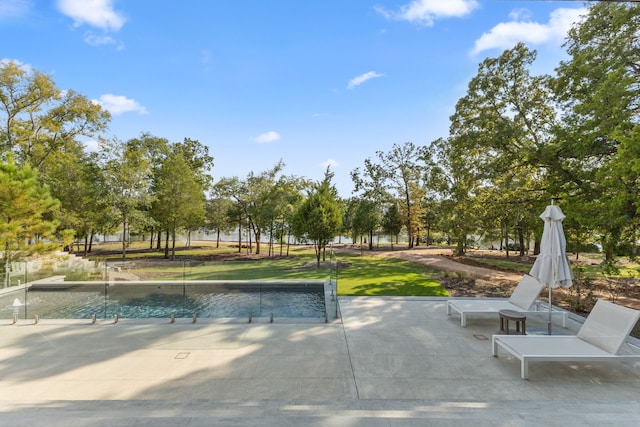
column 516, row 316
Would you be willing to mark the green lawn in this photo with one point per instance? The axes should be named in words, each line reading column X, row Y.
column 385, row 276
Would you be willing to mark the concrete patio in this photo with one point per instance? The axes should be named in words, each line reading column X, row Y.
column 386, row 362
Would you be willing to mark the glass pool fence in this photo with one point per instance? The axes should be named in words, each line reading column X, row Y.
column 81, row 289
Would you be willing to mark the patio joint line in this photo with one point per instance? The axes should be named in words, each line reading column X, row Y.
column 353, row 372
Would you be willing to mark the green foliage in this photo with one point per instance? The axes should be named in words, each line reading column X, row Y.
column 40, row 118
column 458, row 184
column 400, row 174
column 391, row 222
column 595, row 158
column 516, row 140
column 128, row 173
column 179, row 197
column 366, row 219
column 581, row 298
column 319, row 217
column 25, row 209
column 616, row 284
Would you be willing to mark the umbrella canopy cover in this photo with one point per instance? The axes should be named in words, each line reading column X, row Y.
column 552, row 265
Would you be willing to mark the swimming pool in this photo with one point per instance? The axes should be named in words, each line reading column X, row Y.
column 142, row 300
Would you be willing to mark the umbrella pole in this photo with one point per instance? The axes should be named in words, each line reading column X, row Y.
column 549, row 321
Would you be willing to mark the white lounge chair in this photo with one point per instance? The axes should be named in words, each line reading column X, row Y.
column 522, row 299
column 600, row 338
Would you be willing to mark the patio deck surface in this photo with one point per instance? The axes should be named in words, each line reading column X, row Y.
column 386, row 362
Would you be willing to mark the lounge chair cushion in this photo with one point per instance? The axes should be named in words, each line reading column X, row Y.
column 525, row 294
column 608, row 326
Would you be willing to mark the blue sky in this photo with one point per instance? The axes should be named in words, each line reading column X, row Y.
column 311, row 82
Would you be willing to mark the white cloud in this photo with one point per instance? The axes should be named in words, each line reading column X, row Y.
column 425, row 12
column 95, row 40
column 267, row 137
column 520, row 14
column 329, row 163
column 506, row 34
column 91, row 145
column 95, row 13
column 26, row 67
column 118, row 104
column 14, row 8
column 357, row 81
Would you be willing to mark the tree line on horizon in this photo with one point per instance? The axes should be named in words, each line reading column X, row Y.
column 516, row 142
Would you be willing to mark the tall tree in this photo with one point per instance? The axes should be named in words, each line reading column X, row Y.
column 255, row 197
column 502, row 127
column 219, row 217
column 399, row 175
column 318, row 219
column 459, row 185
column 25, row 214
column 199, row 160
column 233, row 189
column 366, row 219
column 38, row 118
column 599, row 88
column 77, row 181
column 392, row 222
column 179, row 198
column 128, row 176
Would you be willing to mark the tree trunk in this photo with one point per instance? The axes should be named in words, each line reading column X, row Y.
column 288, row 242
column 124, row 238
column 506, row 241
column 166, row 244
column 257, row 236
column 521, row 241
column 316, row 246
column 173, row 243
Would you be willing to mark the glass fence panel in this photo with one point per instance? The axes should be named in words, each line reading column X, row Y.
column 65, row 300
column 158, row 288
column 146, row 300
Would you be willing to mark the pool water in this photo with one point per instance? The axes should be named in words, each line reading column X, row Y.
column 155, row 300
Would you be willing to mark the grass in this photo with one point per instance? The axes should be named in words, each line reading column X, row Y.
column 364, row 275
column 385, row 276
column 504, row 264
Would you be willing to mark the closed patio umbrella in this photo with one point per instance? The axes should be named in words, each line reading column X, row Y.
column 552, row 265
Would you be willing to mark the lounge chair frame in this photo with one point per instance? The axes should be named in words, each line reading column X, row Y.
column 523, row 299
column 600, row 338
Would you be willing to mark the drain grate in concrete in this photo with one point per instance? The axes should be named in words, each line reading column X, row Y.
column 480, row 337
column 183, row 355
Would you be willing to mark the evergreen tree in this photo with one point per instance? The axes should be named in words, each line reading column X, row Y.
column 26, row 206
column 319, row 217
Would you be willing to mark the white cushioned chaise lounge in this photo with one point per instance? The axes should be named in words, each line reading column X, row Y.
column 600, row 338
column 523, row 299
